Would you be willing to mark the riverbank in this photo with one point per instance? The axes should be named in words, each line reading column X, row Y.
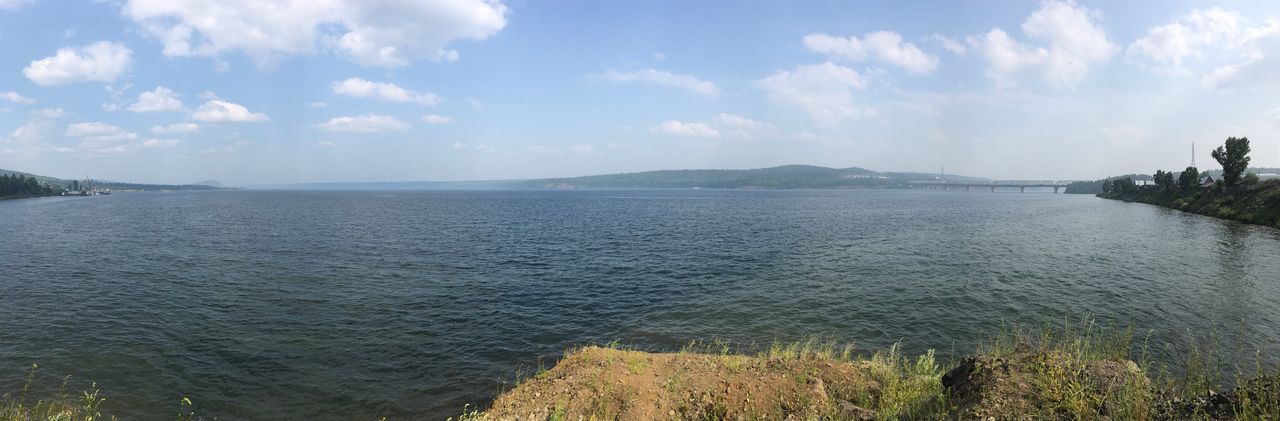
column 1257, row 204
column 1021, row 377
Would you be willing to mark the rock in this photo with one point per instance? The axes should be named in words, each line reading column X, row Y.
column 848, row 411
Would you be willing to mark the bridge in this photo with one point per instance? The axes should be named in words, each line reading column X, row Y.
column 969, row 185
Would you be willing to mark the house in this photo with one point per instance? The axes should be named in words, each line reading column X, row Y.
column 1207, row 181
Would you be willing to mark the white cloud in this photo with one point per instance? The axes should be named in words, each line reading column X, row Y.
column 437, row 119
column 724, row 125
column 1187, row 37
column 475, row 104
column 367, row 123
column 1075, row 42
column 217, row 110
column 101, row 61
column 160, row 99
column 15, row 98
column 459, row 145
column 950, row 44
column 32, row 132
column 7, row 5
column 48, row 113
column 316, row 104
column 543, row 150
column 679, row 128
column 583, row 149
column 664, row 79
column 387, row 34
column 176, row 128
column 883, row 46
column 360, row 88
column 159, row 143
column 825, row 91
column 95, row 133
column 1260, row 54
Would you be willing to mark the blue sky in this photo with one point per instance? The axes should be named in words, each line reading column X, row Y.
column 259, row 91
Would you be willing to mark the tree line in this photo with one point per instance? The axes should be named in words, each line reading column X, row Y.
column 1233, row 155
column 17, row 185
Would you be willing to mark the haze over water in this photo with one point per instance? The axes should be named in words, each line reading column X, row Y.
column 341, row 305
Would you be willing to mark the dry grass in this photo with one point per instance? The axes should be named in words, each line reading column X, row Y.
column 1068, row 369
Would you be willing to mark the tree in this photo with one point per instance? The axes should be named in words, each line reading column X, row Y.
column 1189, row 180
column 1164, row 180
column 1234, row 158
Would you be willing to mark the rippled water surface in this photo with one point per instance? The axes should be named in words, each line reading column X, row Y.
column 344, row 305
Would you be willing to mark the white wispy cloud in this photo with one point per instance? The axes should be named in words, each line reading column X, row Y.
column 1074, row 41
column 366, row 123
column 723, row 125
column 824, row 91
column 49, row 113
column 683, row 129
column 1187, row 37
column 883, row 46
column 1258, row 52
column 176, row 128
column 360, row 88
column 16, row 98
column 101, row 61
column 160, row 99
column 217, row 110
column 665, row 79
column 368, row 33
column 950, row 44
column 437, row 119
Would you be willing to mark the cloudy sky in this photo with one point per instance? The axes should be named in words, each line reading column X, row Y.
column 269, row 91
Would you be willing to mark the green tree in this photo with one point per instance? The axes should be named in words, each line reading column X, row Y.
column 1164, row 180
column 1234, row 158
column 1189, row 180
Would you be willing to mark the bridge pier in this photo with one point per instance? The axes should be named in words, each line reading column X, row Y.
column 968, row 188
column 1055, row 190
column 1022, row 189
column 993, row 189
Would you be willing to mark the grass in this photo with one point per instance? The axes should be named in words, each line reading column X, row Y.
column 1062, row 369
column 61, row 406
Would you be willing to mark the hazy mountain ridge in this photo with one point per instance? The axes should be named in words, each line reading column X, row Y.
column 780, row 177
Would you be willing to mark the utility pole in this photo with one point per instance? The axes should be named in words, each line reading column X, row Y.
column 1193, row 154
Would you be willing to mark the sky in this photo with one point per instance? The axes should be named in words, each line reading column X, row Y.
column 281, row 91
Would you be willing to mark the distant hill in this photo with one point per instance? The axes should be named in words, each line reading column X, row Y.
column 210, row 183
column 783, row 177
column 40, row 178
column 114, row 185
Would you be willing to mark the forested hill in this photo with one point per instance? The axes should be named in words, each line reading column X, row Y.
column 59, row 183
column 784, row 177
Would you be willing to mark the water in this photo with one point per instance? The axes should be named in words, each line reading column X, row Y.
column 344, row 305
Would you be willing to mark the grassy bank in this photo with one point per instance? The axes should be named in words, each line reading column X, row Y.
column 1257, row 203
column 1072, row 371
